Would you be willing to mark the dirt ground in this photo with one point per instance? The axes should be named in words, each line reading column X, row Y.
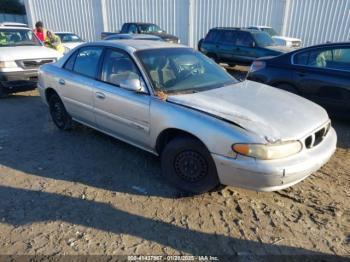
column 82, row 192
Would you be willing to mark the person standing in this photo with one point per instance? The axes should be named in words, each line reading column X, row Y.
column 54, row 42
column 40, row 31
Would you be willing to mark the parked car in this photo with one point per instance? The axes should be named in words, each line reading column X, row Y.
column 320, row 73
column 104, row 35
column 280, row 40
column 134, row 36
column 21, row 53
column 207, row 127
column 238, row 46
column 150, row 29
column 69, row 40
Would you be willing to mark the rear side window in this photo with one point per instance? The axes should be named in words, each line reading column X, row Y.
column 338, row 58
column 212, row 35
column 244, row 39
column 86, row 62
column 228, row 37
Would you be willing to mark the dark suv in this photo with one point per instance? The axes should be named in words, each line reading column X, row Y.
column 238, row 46
column 150, row 29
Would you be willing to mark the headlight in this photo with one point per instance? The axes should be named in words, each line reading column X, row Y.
column 268, row 151
column 7, row 64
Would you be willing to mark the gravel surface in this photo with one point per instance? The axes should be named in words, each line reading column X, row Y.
column 82, row 192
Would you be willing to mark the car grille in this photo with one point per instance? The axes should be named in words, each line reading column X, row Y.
column 317, row 137
column 34, row 64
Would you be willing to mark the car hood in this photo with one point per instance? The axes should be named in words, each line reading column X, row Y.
column 27, row 52
column 280, row 48
column 269, row 112
column 286, row 38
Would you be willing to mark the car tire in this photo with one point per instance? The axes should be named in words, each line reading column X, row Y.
column 188, row 165
column 59, row 114
column 287, row 87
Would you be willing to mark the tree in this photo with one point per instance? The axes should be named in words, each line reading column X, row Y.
column 12, row 7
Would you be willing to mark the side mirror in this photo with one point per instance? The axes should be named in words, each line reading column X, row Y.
column 132, row 85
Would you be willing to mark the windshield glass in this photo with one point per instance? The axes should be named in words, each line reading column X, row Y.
column 18, row 37
column 149, row 28
column 270, row 31
column 263, row 39
column 69, row 38
column 179, row 70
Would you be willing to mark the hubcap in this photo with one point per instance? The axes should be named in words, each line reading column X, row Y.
column 190, row 166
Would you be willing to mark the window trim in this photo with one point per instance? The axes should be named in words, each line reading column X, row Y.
column 75, row 59
column 315, row 48
column 101, row 62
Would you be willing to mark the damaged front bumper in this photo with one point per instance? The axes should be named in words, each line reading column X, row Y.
column 273, row 175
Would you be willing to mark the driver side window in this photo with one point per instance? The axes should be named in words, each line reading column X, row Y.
column 118, row 67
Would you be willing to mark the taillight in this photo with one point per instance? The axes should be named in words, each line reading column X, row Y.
column 257, row 65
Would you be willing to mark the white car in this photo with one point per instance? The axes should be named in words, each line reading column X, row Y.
column 21, row 54
column 280, row 40
column 69, row 40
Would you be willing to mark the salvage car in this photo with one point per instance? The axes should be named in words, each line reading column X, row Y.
column 320, row 73
column 21, row 54
column 238, row 45
column 207, row 127
column 279, row 39
column 69, row 40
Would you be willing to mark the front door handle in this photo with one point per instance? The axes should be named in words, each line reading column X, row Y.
column 62, row 82
column 100, row 95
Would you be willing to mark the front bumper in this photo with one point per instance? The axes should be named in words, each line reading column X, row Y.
column 273, row 175
column 12, row 82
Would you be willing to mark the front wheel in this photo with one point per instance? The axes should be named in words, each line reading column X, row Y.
column 188, row 165
column 59, row 114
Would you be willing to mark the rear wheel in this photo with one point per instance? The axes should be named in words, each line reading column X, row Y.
column 188, row 165
column 59, row 114
column 287, row 87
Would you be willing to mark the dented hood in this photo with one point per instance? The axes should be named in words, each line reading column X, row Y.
column 269, row 112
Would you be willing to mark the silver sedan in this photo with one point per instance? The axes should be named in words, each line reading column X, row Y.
column 207, row 127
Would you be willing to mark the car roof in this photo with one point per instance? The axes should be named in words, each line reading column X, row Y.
column 141, row 23
column 236, row 29
column 260, row 26
column 13, row 25
column 133, row 45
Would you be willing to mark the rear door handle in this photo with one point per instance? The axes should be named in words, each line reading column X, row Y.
column 62, row 82
column 100, row 95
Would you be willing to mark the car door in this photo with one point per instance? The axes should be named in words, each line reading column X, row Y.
column 121, row 112
column 77, row 82
column 226, row 46
column 245, row 50
column 323, row 76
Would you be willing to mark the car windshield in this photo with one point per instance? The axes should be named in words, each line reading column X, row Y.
column 18, row 37
column 182, row 70
column 269, row 30
column 263, row 39
column 69, row 38
column 149, row 28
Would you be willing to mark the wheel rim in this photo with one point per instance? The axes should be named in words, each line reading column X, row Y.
column 190, row 166
column 58, row 114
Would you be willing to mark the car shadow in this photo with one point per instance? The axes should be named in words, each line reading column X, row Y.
column 41, row 206
column 31, row 143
